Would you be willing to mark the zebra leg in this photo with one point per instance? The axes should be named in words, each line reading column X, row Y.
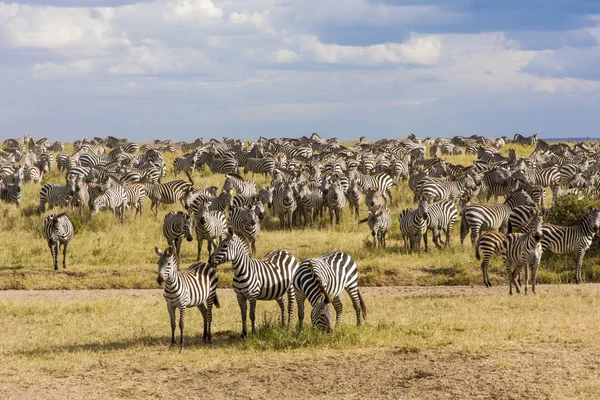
column 356, row 300
column 526, row 277
column 300, row 302
column 243, row 307
column 464, row 229
column 282, row 221
column 209, row 306
column 578, row 262
column 534, row 268
column 474, row 234
column 509, row 275
column 338, row 213
column 291, row 294
column 54, row 251
column 173, row 324
column 374, row 234
column 337, row 305
column 290, row 219
column 204, row 313
column 199, row 247
column 253, row 245
column 253, row 315
column 281, row 305
column 181, row 324
column 382, row 239
column 484, row 270
column 64, row 255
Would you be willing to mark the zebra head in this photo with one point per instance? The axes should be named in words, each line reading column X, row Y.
column 70, row 186
column 203, row 211
column 167, row 264
column 321, row 314
column 188, row 227
column 259, row 209
column 536, row 225
column 593, row 219
column 223, row 252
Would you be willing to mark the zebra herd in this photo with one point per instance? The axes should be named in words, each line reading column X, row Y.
column 312, row 178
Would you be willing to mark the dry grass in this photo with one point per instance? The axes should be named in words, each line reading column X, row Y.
column 458, row 345
column 105, row 254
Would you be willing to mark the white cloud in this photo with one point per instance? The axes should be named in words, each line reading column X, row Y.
column 284, row 56
column 192, row 10
column 70, row 70
column 569, row 86
column 258, row 19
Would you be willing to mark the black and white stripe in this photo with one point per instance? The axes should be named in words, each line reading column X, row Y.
column 56, row 195
column 441, row 216
column 284, row 204
column 487, row 245
column 413, row 225
column 209, row 226
column 176, row 227
column 58, row 230
column 380, row 222
column 245, row 222
column 167, row 193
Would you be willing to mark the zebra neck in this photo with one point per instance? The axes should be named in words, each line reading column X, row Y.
column 240, row 260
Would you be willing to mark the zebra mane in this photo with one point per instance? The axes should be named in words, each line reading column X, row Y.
column 319, row 282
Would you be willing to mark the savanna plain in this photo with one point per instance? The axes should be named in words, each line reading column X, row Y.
column 432, row 329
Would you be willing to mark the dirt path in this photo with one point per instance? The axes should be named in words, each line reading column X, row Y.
column 385, row 291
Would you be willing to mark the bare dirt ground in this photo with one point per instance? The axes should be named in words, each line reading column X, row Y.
column 528, row 370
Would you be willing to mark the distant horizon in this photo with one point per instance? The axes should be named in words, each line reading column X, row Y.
column 183, row 69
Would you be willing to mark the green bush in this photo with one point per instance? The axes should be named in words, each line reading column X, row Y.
column 568, row 210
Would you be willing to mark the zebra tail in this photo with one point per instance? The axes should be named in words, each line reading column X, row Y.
column 363, row 306
column 363, row 220
column 464, row 227
column 216, row 302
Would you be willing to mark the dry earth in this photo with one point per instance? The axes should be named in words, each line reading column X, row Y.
column 527, row 370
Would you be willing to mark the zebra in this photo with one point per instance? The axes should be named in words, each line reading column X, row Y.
column 195, row 287
column 136, row 193
column 310, row 203
column 218, row 165
column 284, row 204
column 335, row 201
column 245, row 188
column 264, row 166
column 269, row 278
column 56, row 195
column 520, row 217
column 12, row 192
column 441, row 216
column 575, row 239
column 523, row 250
column 374, row 198
column 58, row 230
column 186, row 163
column 355, row 198
column 413, row 225
column 35, row 173
column 115, row 198
column 168, row 192
column 433, row 190
column 487, row 245
column 381, row 181
column 176, row 226
column 81, row 195
column 525, row 140
column 250, row 202
column 321, row 281
column 380, row 221
column 244, row 222
column 209, row 225
column 478, row 217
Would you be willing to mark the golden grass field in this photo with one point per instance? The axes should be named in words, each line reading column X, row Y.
column 419, row 341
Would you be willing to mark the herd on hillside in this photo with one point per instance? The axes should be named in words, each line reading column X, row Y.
column 309, row 176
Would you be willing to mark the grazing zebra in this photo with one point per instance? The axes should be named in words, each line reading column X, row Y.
column 380, row 221
column 244, row 222
column 58, row 230
column 269, row 278
column 284, row 204
column 321, row 280
column 191, row 288
column 381, row 181
column 413, row 225
column 487, row 245
column 441, row 216
column 478, row 217
column 245, row 188
column 168, row 192
column 56, row 195
column 218, row 165
column 209, row 225
column 523, row 250
column 114, row 198
column 335, row 201
column 575, row 239
column 11, row 192
column 176, row 226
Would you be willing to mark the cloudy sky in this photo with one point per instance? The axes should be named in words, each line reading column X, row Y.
column 188, row 68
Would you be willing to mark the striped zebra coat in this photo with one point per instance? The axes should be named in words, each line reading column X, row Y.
column 284, row 204
column 12, row 192
column 321, row 280
column 441, row 216
column 523, row 250
column 176, row 226
column 380, row 222
column 487, row 245
column 114, row 198
column 381, row 181
column 413, row 225
column 244, row 222
column 218, row 165
column 335, row 200
column 56, row 195
column 167, row 193
column 245, row 188
column 209, row 226
column 58, row 230
column 194, row 287
column 269, row 278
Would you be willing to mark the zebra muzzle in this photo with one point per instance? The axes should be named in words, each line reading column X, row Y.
column 160, row 280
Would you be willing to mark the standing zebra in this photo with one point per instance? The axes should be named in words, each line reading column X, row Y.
column 321, row 281
column 523, row 250
column 478, row 217
column 11, row 192
column 176, row 226
column 58, row 230
column 574, row 240
column 413, row 225
column 284, row 204
column 191, row 288
column 487, row 245
column 380, row 221
column 441, row 216
column 269, row 278
column 264, row 166
column 218, row 165
column 381, row 181
column 434, row 190
column 56, row 195
column 114, row 198
column 355, row 198
column 186, row 163
column 244, row 222
column 335, row 201
column 245, row 188
column 168, row 192
column 209, row 225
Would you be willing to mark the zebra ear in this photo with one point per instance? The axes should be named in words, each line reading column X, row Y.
column 158, row 251
column 230, row 231
column 169, row 251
